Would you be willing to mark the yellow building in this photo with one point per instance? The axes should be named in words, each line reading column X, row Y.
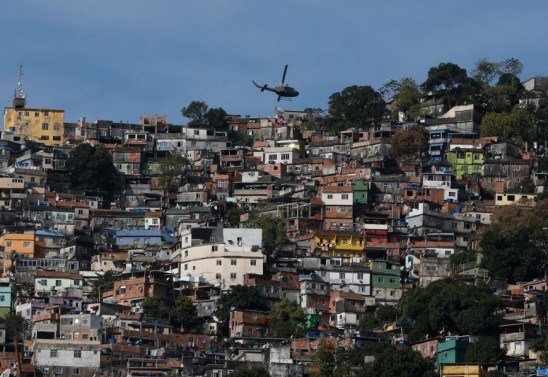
column 21, row 244
column 42, row 125
column 336, row 243
column 525, row 200
column 463, row 370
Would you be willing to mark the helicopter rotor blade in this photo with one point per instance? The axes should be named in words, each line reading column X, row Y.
column 283, row 77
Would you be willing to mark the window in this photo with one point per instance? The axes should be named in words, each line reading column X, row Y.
column 285, row 156
column 196, row 132
column 8, row 243
column 214, row 248
column 344, row 196
column 218, row 276
column 53, row 353
column 360, row 275
column 219, row 262
column 44, row 137
column 2, row 298
column 75, row 371
column 239, row 240
column 233, row 262
column 78, row 354
column 186, row 266
column 253, row 262
column 56, row 127
column 45, row 127
column 342, row 275
column 58, row 283
column 329, row 196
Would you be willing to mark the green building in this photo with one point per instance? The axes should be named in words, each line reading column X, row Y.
column 451, row 351
column 361, row 190
column 465, row 161
column 6, row 296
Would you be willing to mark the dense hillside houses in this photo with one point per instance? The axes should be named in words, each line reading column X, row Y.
column 415, row 229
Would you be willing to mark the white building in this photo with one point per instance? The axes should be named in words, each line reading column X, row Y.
column 221, row 256
column 59, row 357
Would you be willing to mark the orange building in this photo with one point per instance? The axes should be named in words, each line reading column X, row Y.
column 17, row 244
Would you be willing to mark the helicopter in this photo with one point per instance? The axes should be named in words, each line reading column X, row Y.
column 283, row 91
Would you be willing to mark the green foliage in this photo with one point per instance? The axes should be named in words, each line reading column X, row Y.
column 382, row 315
column 501, row 98
column 410, row 142
column 274, row 233
column 323, row 361
column 401, row 362
column 451, row 306
column 91, row 168
column 355, row 107
column 540, row 346
column 169, row 172
column 154, row 308
column 516, row 127
column 514, row 247
column 286, row 319
column 405, row 95
column 314, row 120
column 485, row 350
column 201, row 115
column 253, row 371
column 240, row 297
column 102, row 284
column 450, row 80
column 458, row 259
column 16, row 327
column 185, row 314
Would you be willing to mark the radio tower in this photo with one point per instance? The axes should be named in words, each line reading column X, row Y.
column 19, row 98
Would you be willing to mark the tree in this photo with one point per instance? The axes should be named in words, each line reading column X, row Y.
column 253, row 371
column 516, row 127
column 274, row 233
column 485, row 350
column 201, row 115
column 91, row 168
column 412, row 142
column 102, row 284
column 449, row 80
column 323, row 361
column 405, row 95
column 286, row 319
column 382, row 315
column 401, row 362
column 355, row 107
column 451, row 306
column 16, row 327
column 514, row 247
column 169, row 174
column 486, row 71
column 196, row 111
column 540, row 346
column 154, row 308
column 185, row 314
column 314, row 119
column 240, row 297
column 513, row 67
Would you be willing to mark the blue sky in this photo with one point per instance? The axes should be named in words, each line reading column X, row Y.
column 119, row 59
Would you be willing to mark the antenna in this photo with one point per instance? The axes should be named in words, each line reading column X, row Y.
column 19, row 98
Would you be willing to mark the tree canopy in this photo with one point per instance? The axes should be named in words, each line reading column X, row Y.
column 201, row 115
column 451, row 306
column 286, row 319
column 91, row 168
column 355, row 107
column 240, row 297
column 410, row 142
column 516, row 126
column 485, row 350
column 514, row 247
column 16, row 326
column 274, row 233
